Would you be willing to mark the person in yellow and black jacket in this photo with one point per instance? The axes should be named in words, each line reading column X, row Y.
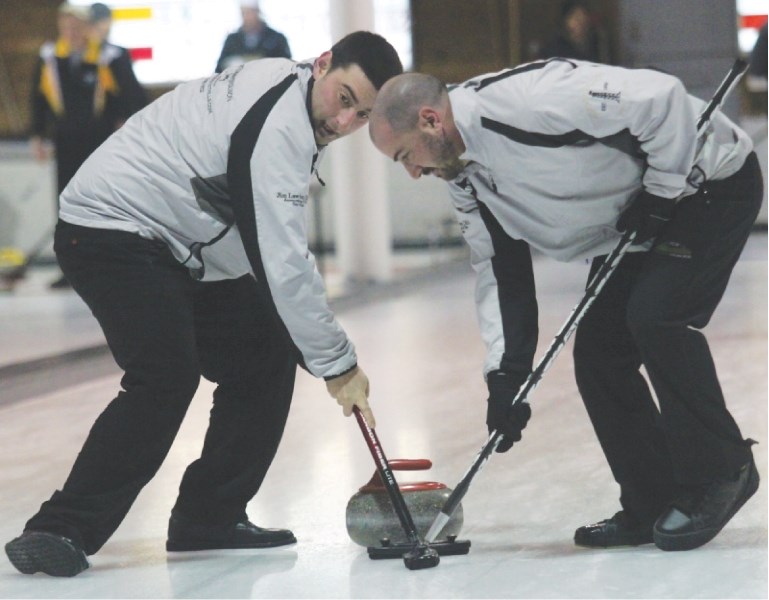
column 76, row 97
column 132, row 97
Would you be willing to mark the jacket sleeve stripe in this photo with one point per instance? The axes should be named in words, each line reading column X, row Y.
column 517, row 71
column 571, row 138
column 623, row 141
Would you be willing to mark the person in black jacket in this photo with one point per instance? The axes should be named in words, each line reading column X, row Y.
column 579, row 35
column 757, row 72
column 78, row 97
column 255, row 39
column 133, row 96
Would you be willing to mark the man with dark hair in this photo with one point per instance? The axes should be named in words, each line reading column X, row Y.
column 255, row 39
column 373, row 60
column 185, row 233
column 562, row 156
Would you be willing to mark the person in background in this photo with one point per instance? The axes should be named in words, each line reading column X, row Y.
column 255, row 39
column 185, row 234
column 562, row 156
column 133, row 97
column 757, row 70
column 578, row 36
column 77, row 97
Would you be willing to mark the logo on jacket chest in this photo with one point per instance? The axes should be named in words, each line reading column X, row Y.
column 605, row 96
column 292, row 198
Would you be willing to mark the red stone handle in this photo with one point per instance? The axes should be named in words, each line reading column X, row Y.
column 404, row 464
column 410, row 464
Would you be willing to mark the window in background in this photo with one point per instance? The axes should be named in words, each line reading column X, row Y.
column 178, row 40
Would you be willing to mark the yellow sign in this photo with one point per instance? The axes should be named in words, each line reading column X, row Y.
column 125, row 14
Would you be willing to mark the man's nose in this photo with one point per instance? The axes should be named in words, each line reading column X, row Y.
column 346, row 119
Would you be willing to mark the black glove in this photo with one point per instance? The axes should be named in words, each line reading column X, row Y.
column 501, row 415
column 647, row 215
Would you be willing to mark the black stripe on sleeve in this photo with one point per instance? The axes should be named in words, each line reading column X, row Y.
column 517, row 71
column 242, row 143
column 622, row 141
column 530, row 138
column 514, row 273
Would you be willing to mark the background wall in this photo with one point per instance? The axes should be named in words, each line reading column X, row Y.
column 24, row 26
column 695, row 40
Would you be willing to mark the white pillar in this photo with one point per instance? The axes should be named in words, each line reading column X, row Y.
column 362, row 221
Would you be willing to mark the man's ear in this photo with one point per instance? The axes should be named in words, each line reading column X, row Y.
column 322, row 65
column 430, row 120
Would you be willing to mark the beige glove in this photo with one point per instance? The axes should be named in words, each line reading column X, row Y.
column 351, row 389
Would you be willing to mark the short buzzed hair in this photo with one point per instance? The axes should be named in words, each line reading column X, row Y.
column 400, row 99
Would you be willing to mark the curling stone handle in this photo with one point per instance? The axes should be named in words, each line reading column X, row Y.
column 376, row 484
column 410, row 464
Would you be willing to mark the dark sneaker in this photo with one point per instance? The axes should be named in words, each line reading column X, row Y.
column 620, row 530
column 49, row 553
column 696, row 519
column 184, row 535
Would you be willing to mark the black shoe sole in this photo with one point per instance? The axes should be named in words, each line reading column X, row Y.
column 54, row 555
column 626, row 543
column 193, row 545
column 695, row 539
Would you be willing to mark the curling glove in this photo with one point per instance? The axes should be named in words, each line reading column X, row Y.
column 647, row 215
column 351, row 389
column 501, row 415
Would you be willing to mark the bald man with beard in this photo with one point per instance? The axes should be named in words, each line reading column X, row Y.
column 562, row 157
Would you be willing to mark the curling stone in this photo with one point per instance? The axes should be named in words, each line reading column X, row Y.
column 372, row 521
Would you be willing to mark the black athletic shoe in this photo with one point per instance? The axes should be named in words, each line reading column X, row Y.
column 620, row 530
column 697, row 518
column 49, row 553
column 184, row 535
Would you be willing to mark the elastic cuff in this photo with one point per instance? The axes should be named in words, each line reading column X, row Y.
column 330, row 377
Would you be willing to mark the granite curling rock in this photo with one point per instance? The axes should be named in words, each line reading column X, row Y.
column 372, row 521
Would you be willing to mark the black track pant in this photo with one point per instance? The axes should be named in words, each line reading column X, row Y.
column 650, row 313
column 165, row 330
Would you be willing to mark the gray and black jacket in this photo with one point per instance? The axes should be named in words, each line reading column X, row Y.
column 220, row 170
column 557, row 149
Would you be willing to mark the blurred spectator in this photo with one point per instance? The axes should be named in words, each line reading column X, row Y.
column 757, row 72
column 255, row 39
column 579, row 35
column 132, row 95
column 76, row 97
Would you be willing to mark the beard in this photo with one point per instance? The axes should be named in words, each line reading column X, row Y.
column 446, row 156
